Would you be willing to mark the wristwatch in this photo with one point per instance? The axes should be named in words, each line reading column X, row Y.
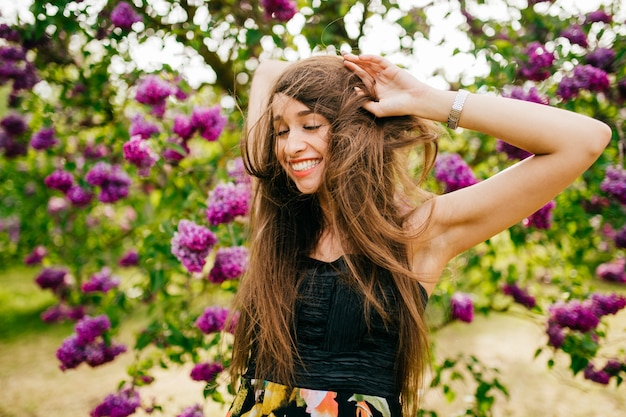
column 457, row 108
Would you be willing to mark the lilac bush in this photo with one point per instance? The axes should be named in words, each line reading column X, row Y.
column 102, row 175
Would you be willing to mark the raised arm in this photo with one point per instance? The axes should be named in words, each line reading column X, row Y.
column 565, row 144
column 264, row 78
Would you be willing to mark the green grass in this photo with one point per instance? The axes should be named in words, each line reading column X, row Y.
column 21, row 304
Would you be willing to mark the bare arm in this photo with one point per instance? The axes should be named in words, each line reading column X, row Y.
column 565, row 144
column 264, row 78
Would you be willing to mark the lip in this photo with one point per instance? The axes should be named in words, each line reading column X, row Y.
column 304, row 172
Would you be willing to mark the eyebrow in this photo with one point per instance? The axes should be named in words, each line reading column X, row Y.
column 299, row 114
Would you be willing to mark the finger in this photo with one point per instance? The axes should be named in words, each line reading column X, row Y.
column 373, row 107
column 363, row 74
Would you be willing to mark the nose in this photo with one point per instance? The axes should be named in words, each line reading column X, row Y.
column 294, row 143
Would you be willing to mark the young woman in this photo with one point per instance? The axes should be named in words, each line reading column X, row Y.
column 345, row 245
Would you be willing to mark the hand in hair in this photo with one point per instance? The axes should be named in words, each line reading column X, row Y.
column 397, row 92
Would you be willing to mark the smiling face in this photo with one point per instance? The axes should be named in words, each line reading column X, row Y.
column 301, row 142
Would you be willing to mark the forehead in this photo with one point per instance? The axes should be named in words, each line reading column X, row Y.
column 284, row 107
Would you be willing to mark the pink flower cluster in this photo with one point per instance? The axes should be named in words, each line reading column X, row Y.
column 84, row 345
column 614, row 183
column 121, row 404
column 614, row 271
column 603, row 375
column 191, row 244
column 192, row 411
column 453, row 171
column 206, row 371
column 212, row 320
column 520, row 295
column 113, row 181
column 542, row 218
column 102, row 281
column 580, row 316
column 462, row 307
column 227, row 201
column 584, row 77
column 230, row 263
column 124, row 16
column 281, row 10
column 538, row 63
column 138, row 152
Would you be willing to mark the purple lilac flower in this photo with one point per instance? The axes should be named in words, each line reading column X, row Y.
column 212, row 319
column 138, row 152
column 575, row 315
column 208, row 121
column 281, row 10
column 598, row 16
column 511, row 151
column 613, row 367
column 54, row 314
column 576, row 35
column 120, row 404
column 9, row 33
column 153, row 91
column 192, row 411
column 139, row 126
column 124, row 16
column 36, row 256
column 520, row 295
column 542, row 218
column 453, row 171
column 75, row 313
column 95, row 151
column 102, row 281
column 531, row 95
column 130, row 258
column 61, row 312
column 89, row 328
column 607, row 304
column 111, row 179
column 620, row 238
column 614, row 183
column 230, row 263
column 602, row 58
column 13, row 124
column 183, row 126
column 78, row 196
column 51, row 278
column 43, row 139
column 176, row 151
column 206, row 371
column 584, row 77
column 227, row 201
column 71, row 353
column 60, row 180
column 599, row 376
column 191, row 244
column 556, row 334
column 537, row 67
column 236, row 170
column 462, row 307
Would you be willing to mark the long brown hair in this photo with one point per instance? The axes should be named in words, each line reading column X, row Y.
column 367, row 187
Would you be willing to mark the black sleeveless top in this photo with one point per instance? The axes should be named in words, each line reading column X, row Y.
column 338, row 350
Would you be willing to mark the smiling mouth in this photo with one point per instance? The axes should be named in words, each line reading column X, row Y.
column 305, row 165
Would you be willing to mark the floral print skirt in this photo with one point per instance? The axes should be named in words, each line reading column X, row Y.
column 275, row 400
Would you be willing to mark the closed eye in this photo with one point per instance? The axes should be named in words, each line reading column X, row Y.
column 281, row 133
column 314, row 127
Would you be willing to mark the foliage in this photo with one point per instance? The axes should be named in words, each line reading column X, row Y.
column 114, row 167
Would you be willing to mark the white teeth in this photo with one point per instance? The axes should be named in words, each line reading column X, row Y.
column 304, row 165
